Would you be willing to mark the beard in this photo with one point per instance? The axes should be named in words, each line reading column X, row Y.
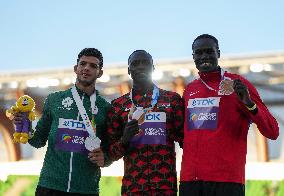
column 85, row 83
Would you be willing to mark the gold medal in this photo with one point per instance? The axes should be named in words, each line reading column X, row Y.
column 137, row 114
column 131, row 111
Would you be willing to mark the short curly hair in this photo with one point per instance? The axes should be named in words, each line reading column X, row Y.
column 141, row 51
column 92, row 52
column 206, row 36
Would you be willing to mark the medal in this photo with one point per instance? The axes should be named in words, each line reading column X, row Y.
column 131, row 111
column 139, row 115
column 154, row 101
column 92, row 143
column 226, row 87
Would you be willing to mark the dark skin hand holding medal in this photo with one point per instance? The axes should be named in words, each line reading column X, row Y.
column 131, row 129
column 241, row 90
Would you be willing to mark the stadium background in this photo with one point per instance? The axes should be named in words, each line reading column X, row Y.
column 265, row 158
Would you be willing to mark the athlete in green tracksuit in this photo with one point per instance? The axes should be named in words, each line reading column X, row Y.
column 67, row 168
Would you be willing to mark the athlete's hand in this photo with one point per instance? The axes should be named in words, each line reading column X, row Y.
column 242, row 91
column 97, row 157
column 131, row 129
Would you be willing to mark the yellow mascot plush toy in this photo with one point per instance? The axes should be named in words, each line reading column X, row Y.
column 25, row 105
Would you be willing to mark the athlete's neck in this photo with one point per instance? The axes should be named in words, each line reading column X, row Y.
column 143, row 88
column 217, row 69
column 89, row 90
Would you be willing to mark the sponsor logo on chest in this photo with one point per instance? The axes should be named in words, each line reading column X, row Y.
column 71, row 124
column 204, row 102
column 203, row 113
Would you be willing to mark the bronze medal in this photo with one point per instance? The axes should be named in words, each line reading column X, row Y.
column 226, row 87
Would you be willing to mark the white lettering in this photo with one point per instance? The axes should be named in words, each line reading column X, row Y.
column 78, row 140
column 207, row 116
column 71, row 124
column 154, row 131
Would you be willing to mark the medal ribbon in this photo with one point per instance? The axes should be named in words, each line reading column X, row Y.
column 222, row 78
column 83, row 112
column 155, row 97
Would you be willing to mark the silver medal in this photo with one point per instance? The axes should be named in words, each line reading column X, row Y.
column 92, row 143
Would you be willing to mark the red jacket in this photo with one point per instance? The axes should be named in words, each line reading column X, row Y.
column 217, row 152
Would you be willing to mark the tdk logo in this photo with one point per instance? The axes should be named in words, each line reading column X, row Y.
column 74, row 124
column 204, row 102
column 153, row 116
column 71, row 124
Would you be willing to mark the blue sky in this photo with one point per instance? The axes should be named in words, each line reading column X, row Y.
column 49, row 34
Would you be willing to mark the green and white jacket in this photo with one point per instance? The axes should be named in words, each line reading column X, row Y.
column 69, row 171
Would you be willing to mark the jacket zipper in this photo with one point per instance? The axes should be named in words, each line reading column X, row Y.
column 70, row 172
column 196, row 169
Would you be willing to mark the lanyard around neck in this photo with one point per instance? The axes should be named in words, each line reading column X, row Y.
column 209, row 87
column 82, row 110
column 155, row 97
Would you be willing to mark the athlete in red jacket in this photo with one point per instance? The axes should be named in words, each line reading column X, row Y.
column 219, row 107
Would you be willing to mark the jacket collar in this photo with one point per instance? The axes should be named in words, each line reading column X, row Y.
column 81, row 93
column 211, row 76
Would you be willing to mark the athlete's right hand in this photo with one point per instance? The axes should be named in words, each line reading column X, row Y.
column 97, row 157
column 131, row 129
